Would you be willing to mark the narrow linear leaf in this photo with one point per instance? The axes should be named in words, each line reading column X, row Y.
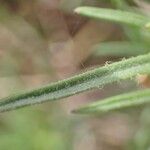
column 120, row 48
column 119, row 16
column 117, row 102
column 97, row 78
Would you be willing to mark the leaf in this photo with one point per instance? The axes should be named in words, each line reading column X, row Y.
column 120, row 48
column 119, row 16
column 116, row 102
column 97, row 78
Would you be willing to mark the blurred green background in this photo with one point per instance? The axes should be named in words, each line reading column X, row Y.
column 42, row 41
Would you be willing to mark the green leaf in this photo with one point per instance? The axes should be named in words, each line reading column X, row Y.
column 116, row 102
column 120, row 48
column 97, row 78
column 119, row 16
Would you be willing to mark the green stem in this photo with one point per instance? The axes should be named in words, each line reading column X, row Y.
column 97, row 78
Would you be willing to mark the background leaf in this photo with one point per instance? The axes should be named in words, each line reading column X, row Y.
column 120, row 48
column 113, row 15
column 117, row 102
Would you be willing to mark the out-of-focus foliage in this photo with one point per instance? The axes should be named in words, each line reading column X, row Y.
column 41, row 39
column 121, row 48
column 35, row 130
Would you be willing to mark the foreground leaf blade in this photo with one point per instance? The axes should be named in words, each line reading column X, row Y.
column 97, row 78
column 117, row 102
column 119, row 16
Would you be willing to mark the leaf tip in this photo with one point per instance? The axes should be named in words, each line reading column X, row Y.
column 80, row 10
column 77, row 10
